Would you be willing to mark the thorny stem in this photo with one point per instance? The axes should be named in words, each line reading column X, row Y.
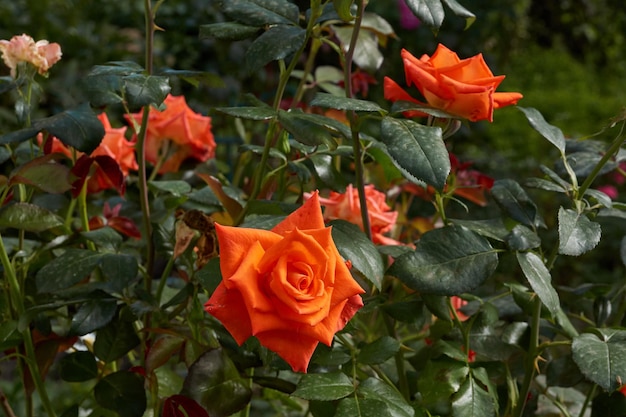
column 141, row 153
column 352, row 118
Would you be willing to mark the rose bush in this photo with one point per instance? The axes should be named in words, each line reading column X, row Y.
column 433, row 289
column 289, row 287
column 462, row 87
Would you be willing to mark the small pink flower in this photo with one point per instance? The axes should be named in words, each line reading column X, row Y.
column 23, row 48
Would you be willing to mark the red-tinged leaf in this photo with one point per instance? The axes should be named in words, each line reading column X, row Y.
column 125, row 226
column 232, row 206
column 43, row 173
column 80, row 171
column 108, row 175
column 46, row 349
column 161, row 351
column 181, row 406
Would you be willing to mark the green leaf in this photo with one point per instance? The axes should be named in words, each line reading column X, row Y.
column 28, row 217
column 104, row 237
column 522, row 238
column 115, row 340
column 344, row 103
column 276, row 43
column 78, row 128
column 401, row 106
column 195, row 78
column 308, row 128
column 472, row 400
column 142, row 90
column 71, row 267
column 361, row 407
column 122, row 392
column 228, row 31
column 577, row 234
column 43, row 173
column 9, row 335
column 441, row 378
column 512, row 198
column 396, row 405
column 324, row 387
column 214, row 382
column 491, row 228
column 461, row 11
column 177, row 188
column 552, row 133
column 429, row 12
column 93, row 315
column 539, row 278
column 354, row 246
column 447, row 261
column 261, row 12
column 120, row 270
column 342, row 7
column 378, row 351
column 601, row 357
column 251, row 113
column 78, row 366
column 367, row 56
column 416, row 150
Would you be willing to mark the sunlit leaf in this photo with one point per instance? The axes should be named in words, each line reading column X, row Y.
column 324, row 387
column 354, row 246
column 577, row 234
column 447, row 261
column 429, row 12
column 601, row 357
column 472, row 400
column 540, row 280
column 417, row 150
column 552, row 133
column 28, row 217
column 276, row 43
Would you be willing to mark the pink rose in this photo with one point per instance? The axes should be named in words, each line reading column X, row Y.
column 23, row 48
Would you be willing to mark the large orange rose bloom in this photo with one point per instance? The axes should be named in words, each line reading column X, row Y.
column 179, row 131
column 289, row 287
column 463, row 87
column 346, row 206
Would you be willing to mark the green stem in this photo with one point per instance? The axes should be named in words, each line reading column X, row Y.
column 352, row 118
column 613, row 149
column 273, row 129
column 15, row 293
column 531, row 357
column 403, row 383
column 588, row 398
column 84, row 216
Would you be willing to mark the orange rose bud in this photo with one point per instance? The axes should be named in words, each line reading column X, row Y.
column 463, row 87
column 175, row 134
column 288, row 287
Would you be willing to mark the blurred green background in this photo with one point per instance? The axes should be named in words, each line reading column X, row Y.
column 565, row 56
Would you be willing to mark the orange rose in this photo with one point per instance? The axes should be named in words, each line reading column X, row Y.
column 175, row 134
column 289, row 287
column 114, row 158
column 346, row 206
column 463, row 87
column 23, row 48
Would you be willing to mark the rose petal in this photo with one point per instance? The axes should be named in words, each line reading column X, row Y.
column 308, row 216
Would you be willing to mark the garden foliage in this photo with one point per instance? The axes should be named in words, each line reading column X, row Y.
column 343, row 260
